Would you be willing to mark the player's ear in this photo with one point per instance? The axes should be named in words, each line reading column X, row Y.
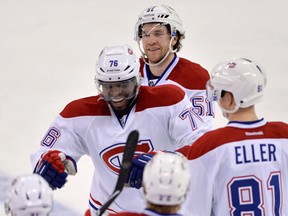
column 175, row 39
column 230, row 100
column 227, row 100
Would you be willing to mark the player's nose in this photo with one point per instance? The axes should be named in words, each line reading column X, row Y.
column 115, row 90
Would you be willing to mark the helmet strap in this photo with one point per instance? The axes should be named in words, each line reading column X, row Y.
column 144, row 56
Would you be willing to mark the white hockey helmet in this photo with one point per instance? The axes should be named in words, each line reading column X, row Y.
column 159, row 14
column 118, row 64
column 29, row 195
column 240, row 76
column 166, row 179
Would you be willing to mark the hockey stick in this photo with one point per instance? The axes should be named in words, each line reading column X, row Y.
column 129, row 150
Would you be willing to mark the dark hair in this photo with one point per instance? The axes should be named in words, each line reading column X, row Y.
column 178, row 44
column 223, row 93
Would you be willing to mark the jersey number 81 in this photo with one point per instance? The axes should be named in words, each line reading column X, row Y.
column 245, row 195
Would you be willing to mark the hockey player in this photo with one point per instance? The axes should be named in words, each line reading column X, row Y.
column 159, row 34
column 165, row 183
column 240, row 169
column 29, row 195
column 99, row 125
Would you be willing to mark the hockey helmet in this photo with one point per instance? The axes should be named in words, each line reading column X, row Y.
column 159, row 14
column 29, row 195
column 117, row 64
column 166, row 179
column 242, row 77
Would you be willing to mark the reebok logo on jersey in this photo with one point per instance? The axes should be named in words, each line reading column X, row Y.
column 256, row 133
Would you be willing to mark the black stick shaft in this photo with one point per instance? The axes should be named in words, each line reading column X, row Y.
column 129, row 150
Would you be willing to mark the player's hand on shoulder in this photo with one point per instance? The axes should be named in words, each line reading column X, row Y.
column 54, row 166
column 139, row 162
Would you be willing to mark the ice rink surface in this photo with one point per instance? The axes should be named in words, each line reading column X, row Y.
column 48, row 51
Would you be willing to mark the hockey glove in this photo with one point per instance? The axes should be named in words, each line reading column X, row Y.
column 134, row 179
column 54, row 166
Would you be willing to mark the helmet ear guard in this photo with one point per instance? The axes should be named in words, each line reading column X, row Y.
column 242, row 77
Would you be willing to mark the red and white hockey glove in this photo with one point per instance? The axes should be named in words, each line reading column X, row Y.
column 54, row 166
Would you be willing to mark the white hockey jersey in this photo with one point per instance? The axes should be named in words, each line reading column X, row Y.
column 241, row 169
column 162, row 115
column 145, row 212
column 192, row 78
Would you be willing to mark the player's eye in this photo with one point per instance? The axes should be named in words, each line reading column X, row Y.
column 158, row 33
column 144, row 34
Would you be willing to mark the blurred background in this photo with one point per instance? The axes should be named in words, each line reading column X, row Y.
column 48, row 51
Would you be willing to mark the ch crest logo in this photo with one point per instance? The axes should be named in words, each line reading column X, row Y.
column 231, row 65
column 112, row 156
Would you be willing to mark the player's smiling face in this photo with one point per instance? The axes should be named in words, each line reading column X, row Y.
column 120, row 104
column 119, row 94
column 155, row 40
column 117, row 98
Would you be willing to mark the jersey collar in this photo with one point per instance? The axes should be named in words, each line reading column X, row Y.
column 151, row 212
column 250, row 124
column 166, row 72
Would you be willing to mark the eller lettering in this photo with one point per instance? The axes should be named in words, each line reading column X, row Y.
column 255, row 153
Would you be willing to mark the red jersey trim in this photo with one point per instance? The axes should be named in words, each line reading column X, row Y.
column 100, row 204
column 158, row 96
column 214, row 139
column 128, row 214
column 142, row 63
column 148, row 97
column 188, row 74
column 90, row 106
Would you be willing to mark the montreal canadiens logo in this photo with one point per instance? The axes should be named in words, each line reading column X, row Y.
column 130, row 51
column 112, row 156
